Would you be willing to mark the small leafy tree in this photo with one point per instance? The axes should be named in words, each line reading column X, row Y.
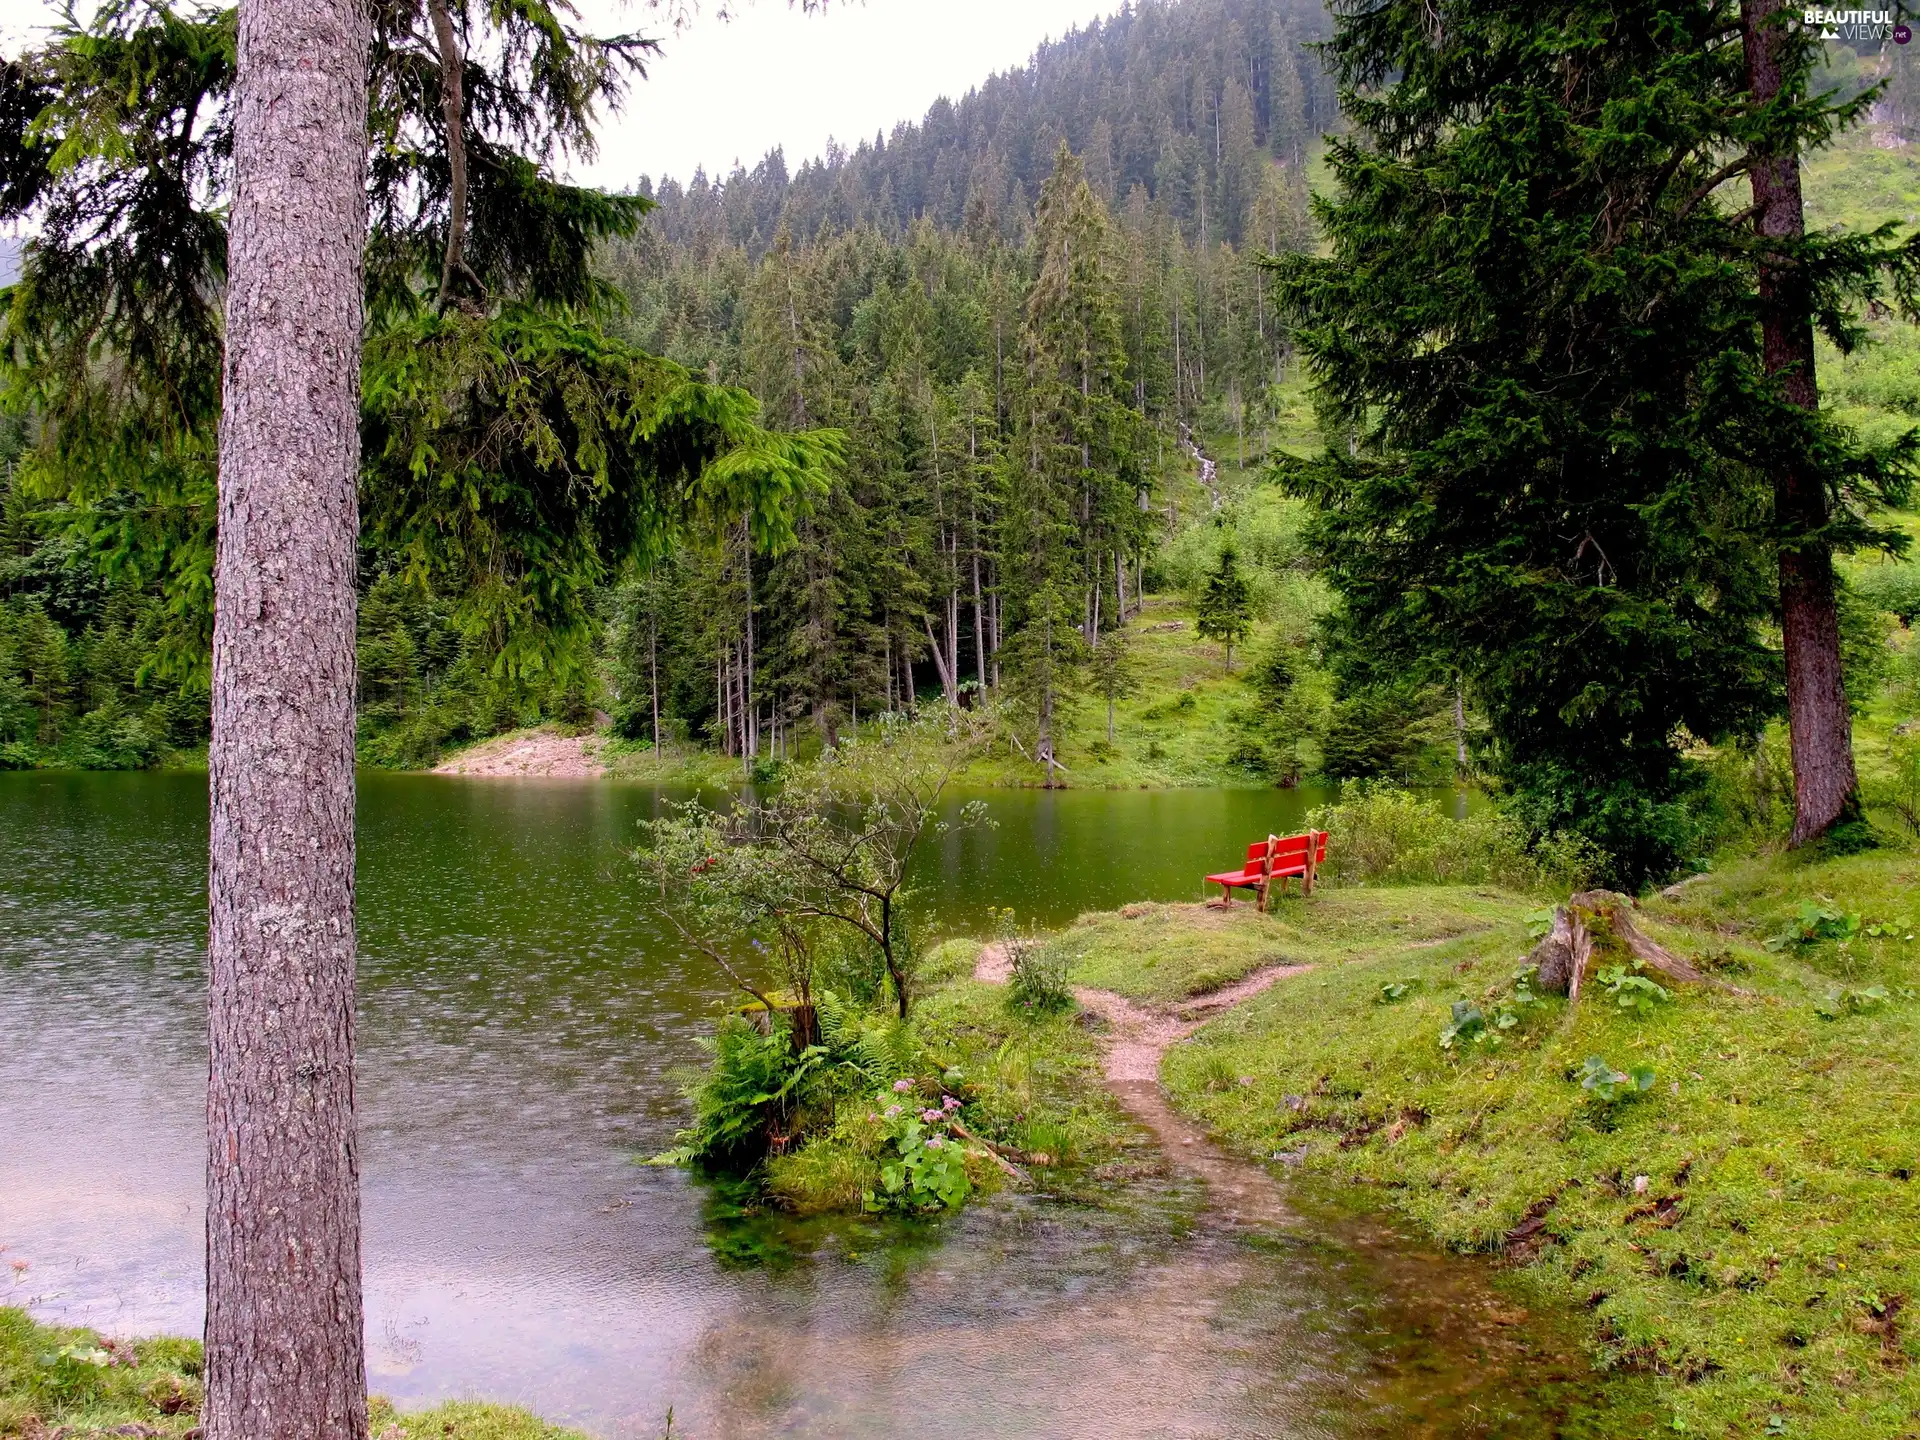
column 830, row 851
column 1226, row 607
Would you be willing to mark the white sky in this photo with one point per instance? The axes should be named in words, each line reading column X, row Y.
column 774, row 76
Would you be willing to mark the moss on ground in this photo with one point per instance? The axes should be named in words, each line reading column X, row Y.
column 1741, row 1232
column 1175, row 952
column 79, row 1384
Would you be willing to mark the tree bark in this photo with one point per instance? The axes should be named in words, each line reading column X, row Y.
column 454, row 270
column 947, row 689
column 284, row 1337
column 1459, row 730
column 1043, row 742
column 1825, row 787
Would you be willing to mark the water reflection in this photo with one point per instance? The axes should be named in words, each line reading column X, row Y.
column 521, row 1028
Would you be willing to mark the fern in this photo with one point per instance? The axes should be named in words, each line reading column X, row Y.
column 879, row 1048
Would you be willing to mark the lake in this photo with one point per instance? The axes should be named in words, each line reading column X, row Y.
column 521, row 1028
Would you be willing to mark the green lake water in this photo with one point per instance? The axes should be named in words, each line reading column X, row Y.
column 520, row 1030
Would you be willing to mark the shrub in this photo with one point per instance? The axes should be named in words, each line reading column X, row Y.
column 1750, row 790
column 745, row 1096
column 1384, row 834
column 1037, row 977
column 949, row 960
column 1643, row 823
column 1906, row 781
column 109, row 738
column 1867, row 657
column 1893, row 587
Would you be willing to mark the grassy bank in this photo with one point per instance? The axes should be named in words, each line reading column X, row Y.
column 1173, row 952
column 819, row 1132
column 76, row 1383
column 1737, row 1219
column 1183, row 726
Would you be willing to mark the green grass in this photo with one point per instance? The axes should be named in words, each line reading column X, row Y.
column 1030, row 1083
column 681, row 764
column 1175, row 952
column 1764, row 1267
column 1177, row 730
column 73, row 1381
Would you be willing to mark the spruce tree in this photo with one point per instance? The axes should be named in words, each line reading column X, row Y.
column 1074, row 468
column 1538, row 337
column 1225, row 612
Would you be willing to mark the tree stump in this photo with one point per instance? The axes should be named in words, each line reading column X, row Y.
column 1562, row 957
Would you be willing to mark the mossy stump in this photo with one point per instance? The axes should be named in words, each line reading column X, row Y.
column 1596, row 921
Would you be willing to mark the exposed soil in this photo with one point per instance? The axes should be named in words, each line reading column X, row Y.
column 1422, row 1292
column 530, row 753
column 1138, row 1036
column 1140, row 1033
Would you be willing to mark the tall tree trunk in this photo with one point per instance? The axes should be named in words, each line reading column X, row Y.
column 284, row 1334
column 749, row 698
column 1459, row 729
column 653, row 673
column 979, row 629
column 947, row 690
column 454, row 271
column 1043, row 742
column 1825, row 787
column 996, row 620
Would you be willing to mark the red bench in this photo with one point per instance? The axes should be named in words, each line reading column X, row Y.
column 1276, row 858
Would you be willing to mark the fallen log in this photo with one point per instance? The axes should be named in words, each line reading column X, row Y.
column 992, row 1150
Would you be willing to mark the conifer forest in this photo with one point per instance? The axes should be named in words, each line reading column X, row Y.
column 1221, row 737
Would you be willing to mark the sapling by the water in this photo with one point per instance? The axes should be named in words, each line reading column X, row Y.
column 758, row 886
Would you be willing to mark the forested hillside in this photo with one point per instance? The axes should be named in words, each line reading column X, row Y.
column 1192, row 100
column 1018, row 461
column 1037, row 318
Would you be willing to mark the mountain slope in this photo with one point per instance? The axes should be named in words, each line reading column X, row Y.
column 1189, row 99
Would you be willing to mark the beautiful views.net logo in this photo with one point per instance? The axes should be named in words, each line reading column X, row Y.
column 1855, row 25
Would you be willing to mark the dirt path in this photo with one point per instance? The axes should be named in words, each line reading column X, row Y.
column 1138, row 1037
column 1470, row 1334
column 530, row 753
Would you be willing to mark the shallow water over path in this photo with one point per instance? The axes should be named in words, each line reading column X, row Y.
column 519, row 1029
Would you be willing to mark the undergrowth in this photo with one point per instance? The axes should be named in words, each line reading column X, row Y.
column 883, row 1114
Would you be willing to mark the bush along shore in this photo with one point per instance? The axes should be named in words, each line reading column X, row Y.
column 982, row 1086
column 1711, row 1149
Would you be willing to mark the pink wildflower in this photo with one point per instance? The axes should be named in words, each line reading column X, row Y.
column 892, row 1110
column 934, row 1142
column 932, row 1115
column 901, row 1087
column 949, row 1104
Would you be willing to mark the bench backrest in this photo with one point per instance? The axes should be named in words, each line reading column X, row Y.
column 1288, row 850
